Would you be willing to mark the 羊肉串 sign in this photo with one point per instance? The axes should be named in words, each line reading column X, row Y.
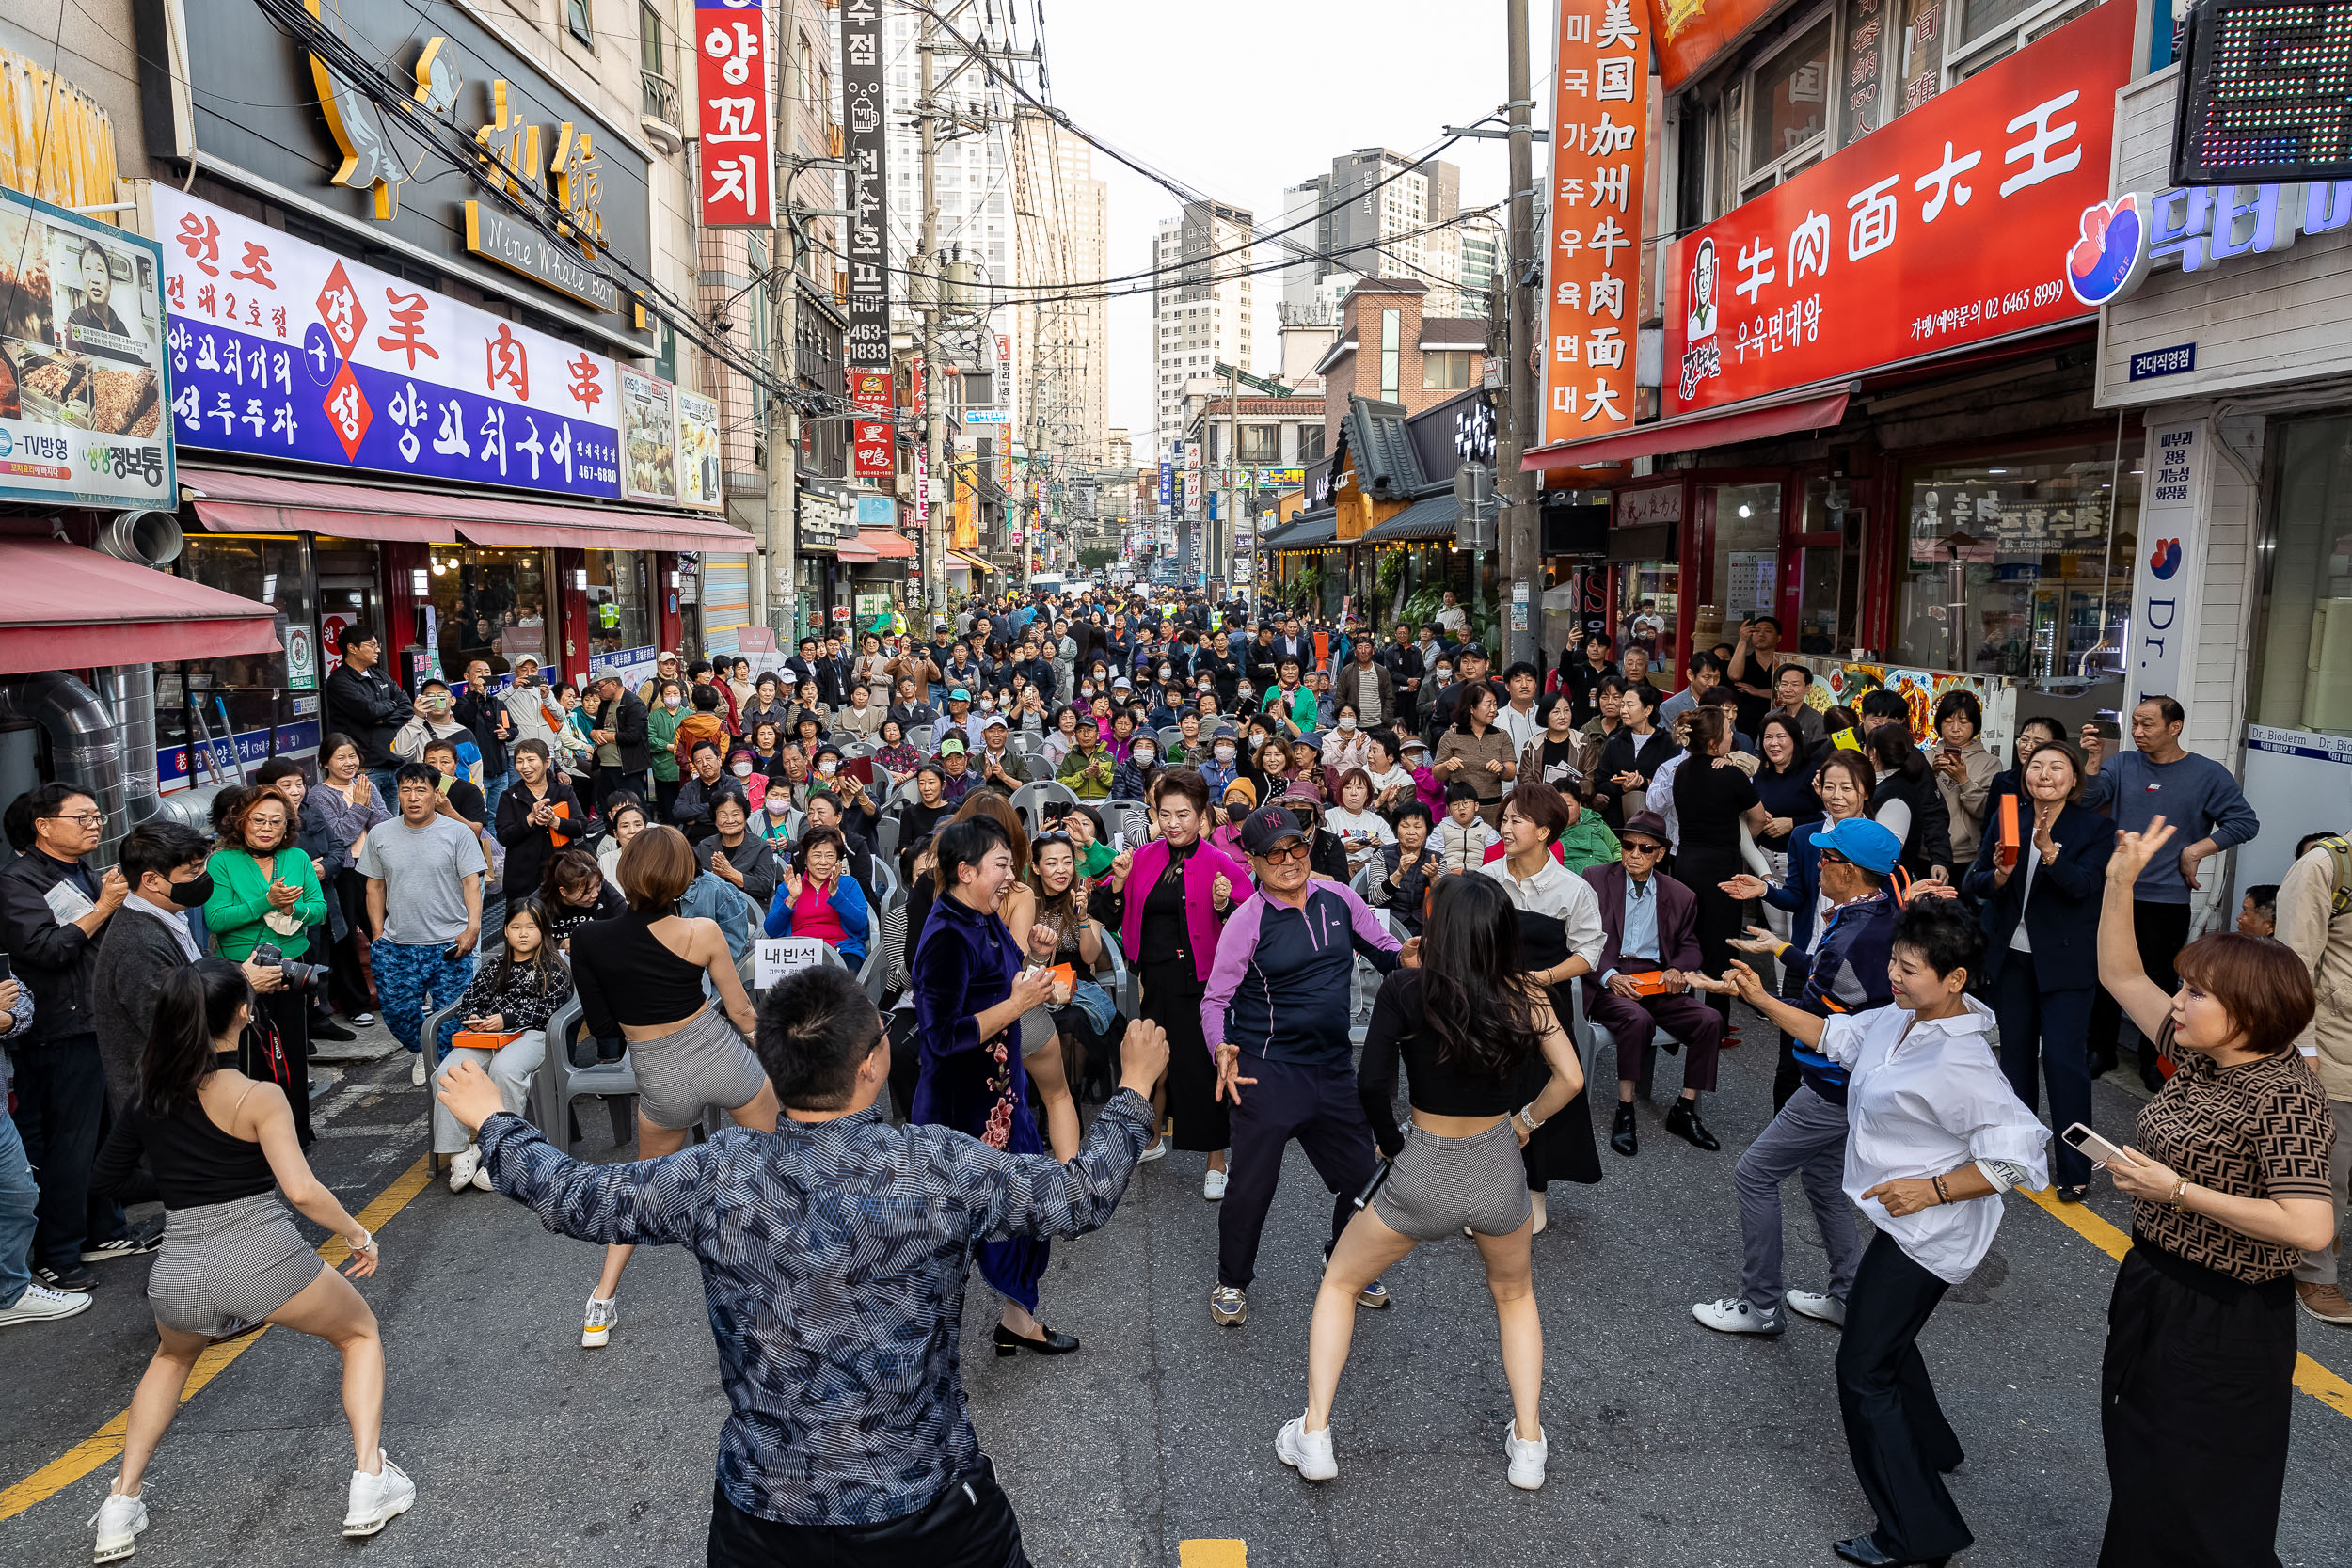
column 1947, row 227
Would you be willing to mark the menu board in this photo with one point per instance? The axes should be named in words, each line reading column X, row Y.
column 697, row 450
column 648, row 438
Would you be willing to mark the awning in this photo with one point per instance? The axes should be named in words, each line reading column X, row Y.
column 876, row 543
column 970, row 559
column 235, row 502
column 70, row 608
column 1430, row 518
column 1719, row 427
column 1309, row 532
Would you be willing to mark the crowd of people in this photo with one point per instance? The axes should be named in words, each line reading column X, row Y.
column 1316, row 854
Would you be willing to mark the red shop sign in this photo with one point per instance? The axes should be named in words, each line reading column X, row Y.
column 1949, row 226
column 731, row 114
column 873, row 442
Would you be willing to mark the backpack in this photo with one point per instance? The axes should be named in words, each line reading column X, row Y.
column 2339, row 848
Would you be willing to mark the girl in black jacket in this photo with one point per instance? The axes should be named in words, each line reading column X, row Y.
column 1633, row 755
column 1905, row 779
column 532, row 834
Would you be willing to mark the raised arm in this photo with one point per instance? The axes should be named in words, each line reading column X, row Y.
column 2142, row 1000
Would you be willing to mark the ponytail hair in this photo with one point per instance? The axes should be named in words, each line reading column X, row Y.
column 196, row 1005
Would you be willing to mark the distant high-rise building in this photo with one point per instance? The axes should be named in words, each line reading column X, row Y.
column 1483, row 248
column 1203, row 311
column 1376, row 215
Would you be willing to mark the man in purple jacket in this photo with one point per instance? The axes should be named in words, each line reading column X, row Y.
column 1278, row 1007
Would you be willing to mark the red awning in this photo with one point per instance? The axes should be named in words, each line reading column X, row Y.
column 268, row 503
column 1721, row 427
column 70, row 608
column 876, row 543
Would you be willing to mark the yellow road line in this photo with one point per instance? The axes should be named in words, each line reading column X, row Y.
column 105, row 1444
column 2309, row 1376
column 1212, row 1554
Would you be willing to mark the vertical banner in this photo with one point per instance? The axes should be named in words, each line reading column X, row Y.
column 872, row 434
column 2168, row 577
column 1593, row 253
column 732, row 70
column 866, row 142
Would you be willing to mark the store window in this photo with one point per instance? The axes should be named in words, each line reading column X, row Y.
column 2009, row 567
column 1789, row 100
column 245, row 695
column 1747, row 556
column 489, row 604
column 2302, row 678
column 1829, row 569
column 620, row 606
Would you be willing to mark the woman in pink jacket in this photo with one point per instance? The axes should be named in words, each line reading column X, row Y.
column 1178, row 889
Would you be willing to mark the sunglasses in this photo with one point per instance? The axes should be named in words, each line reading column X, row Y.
column 1042, row 840
column 1834, row 858
column 1637, row 847
column 1296, row 850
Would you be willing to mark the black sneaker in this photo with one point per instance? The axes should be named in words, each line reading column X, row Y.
column 76, row 1280
column 131, row 1245
column 327, row 1029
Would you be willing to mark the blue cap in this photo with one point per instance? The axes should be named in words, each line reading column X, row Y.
column 960, row 695
column 1870, row 844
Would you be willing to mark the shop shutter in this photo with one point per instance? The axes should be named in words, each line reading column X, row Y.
column 727, row 594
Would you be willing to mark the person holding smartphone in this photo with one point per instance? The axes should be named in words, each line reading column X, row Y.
column 2229, row 1186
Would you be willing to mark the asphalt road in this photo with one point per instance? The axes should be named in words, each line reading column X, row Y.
column 1669, row 1444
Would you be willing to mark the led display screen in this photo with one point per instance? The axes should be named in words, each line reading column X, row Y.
column 2266, row 93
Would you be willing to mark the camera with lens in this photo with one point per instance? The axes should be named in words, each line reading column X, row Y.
column 298, row 977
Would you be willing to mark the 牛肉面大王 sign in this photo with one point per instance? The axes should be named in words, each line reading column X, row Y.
column 280, row 348
column 1959, row 210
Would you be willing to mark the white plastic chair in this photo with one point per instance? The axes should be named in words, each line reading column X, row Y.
column 1030, row 799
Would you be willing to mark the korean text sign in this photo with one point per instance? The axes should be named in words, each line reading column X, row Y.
column 81, row 382
column 731, row 74
column 280, row 348
column 1947, row 227
column 1593, row 253
column 866, row 144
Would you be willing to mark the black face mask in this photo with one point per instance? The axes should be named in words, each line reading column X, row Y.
column 195, row 890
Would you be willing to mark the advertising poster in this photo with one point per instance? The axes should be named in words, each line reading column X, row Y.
column 280, row 348
column 83, row 388
column 648, row 438
column 697, row 450
column 1593, row 248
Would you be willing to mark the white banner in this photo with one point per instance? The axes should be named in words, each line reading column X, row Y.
column 2168, row 577
column 778, row 957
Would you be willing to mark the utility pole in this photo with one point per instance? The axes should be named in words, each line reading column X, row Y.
column 1232, row 460
column 1032, row 470
column 783, row 419
column 1521, row 563
column 928, row 271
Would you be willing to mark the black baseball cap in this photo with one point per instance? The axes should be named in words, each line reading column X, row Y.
column 1267, row 827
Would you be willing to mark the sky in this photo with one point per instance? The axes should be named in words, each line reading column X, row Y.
column 1239, row 99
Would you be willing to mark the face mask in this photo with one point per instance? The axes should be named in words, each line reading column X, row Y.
column 988, row 704
column 1167, row 673
column 1444, row 675
column 1348, row 720
column 779, row 805
column 671, row 702
column 195, row 891
column 828, row 768
column 1225, row 753
column 1145, row 753
column 743, row 770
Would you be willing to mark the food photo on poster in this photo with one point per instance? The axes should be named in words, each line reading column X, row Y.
column 1962, row 209
column 648, row 438
column 81, row 376
column 697, row 450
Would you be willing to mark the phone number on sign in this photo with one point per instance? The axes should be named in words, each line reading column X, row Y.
column 1959, row 318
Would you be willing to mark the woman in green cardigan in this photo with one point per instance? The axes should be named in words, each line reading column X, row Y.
column 264, row 890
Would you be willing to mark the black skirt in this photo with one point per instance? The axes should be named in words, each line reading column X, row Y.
column 1198, row 1121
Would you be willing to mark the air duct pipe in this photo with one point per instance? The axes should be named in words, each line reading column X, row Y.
column 85, row 747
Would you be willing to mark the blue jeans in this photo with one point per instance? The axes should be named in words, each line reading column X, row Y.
column 493, row 787
column 20, row 1194
column 387, row 781
column 411, row 981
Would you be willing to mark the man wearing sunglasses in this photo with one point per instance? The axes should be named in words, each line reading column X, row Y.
column 1276, row 1018
column 1650, row 930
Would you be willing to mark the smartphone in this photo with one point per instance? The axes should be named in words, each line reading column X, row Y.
column 2081, row 1137
column 6, row 973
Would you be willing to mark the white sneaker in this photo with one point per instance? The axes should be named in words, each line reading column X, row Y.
column 1307, row 1452
column 377, row 1500
column 1527, row 1459
column 1213, row 1186
column 39, row 1303
column 361, row 1020
column 1155, row 1149
column 482, row 1177
column 463, row 1167
column 1733, row 1315
column 417, row 1073
column 602, row 1314
column 118, row 1519
column 1813, row 1304
column 1229, row 1305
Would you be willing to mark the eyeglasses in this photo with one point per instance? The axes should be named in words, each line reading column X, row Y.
column 86, row 818
column 1834, row 858
column 1295, row 850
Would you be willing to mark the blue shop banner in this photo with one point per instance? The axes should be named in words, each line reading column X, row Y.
column 218, row 762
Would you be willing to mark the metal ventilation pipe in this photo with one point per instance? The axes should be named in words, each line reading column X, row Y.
column 85, row 747
column 130, row 691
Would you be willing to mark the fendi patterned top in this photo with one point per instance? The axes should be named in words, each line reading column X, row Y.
column 2261, row 1128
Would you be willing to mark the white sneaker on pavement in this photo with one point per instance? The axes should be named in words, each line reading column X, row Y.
column 1733, row 1315
column 482, row 1177
column 1527, row 1459
column 40, row 1305
column 118, row 1519
column 1813, row 1304
column 1213, row 1186
column 417, row 1073
column 377, row 1500
column 1229, row 1305
column 462, row 1166
column 1155, row 1149
column 1307, row 1452
column 362, row 1020
column 602, row 1314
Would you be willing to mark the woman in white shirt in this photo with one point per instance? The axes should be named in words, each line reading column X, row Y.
column 1935, row 1134
column 1349, row 745
column 1391, row 785
column 1362, row 830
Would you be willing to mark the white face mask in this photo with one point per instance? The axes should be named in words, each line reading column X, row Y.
column 743, row 770
column 828, row 768
column 1166, row 673
column 1145, row 753
column 1225, row 753
column 1348, row 720
column 671, row 702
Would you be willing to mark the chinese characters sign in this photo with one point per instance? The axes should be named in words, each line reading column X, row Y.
column 1946, row 229
column 280, row 348
column 1599, row 109
column 866, row 144
column 731, row 73
column 872, row 431
column 82, row 386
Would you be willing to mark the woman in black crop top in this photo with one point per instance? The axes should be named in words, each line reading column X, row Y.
column 221, row 1146
column 1466, row 1023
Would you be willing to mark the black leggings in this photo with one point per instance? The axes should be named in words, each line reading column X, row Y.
column 1718, row 922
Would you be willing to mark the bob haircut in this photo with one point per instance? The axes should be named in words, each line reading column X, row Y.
column 969, row 841
column 2074, row 761
column 657, row 868
column 2259, row 982
column 1541, row 804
